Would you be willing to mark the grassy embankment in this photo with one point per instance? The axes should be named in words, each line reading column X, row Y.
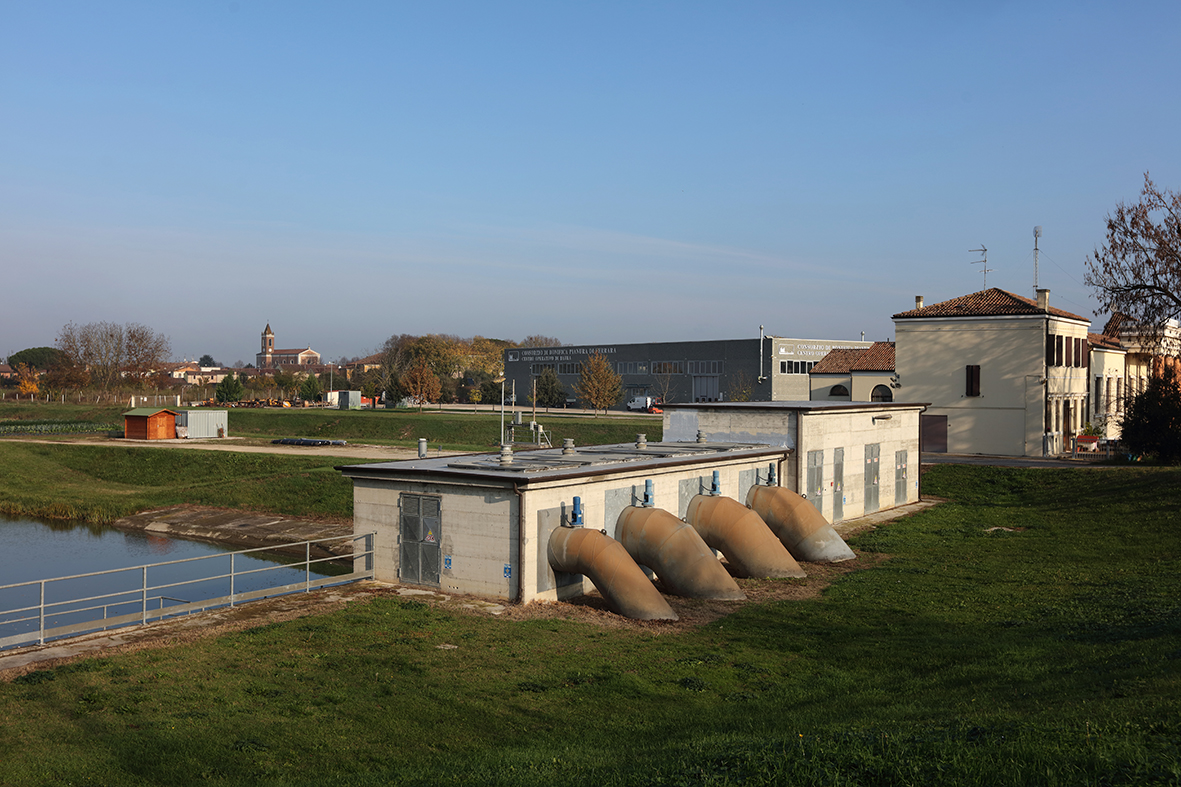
column 452, row 430
column 1026, row 633
column 100, row 483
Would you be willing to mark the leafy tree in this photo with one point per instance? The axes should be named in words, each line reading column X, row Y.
column 599, row 386
column 421, row 383
column 285, row 381
column 43, row 358
column 229, row 389
column 206, row 360
column 1152, row 419
column 550, row 392
column 1137, row 272
column 537, row 340
column 309, row 389
column 28, row 382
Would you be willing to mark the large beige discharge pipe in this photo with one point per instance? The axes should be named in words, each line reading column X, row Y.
column 802, row 529
column 657, row 539
column 625, row 587
column 737, row 532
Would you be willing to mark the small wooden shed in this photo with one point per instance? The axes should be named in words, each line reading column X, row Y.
column 148, row 423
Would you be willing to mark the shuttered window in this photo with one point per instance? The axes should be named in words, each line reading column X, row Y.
column 973, row 381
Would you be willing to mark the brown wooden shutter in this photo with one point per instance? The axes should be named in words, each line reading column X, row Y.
column 973, row 381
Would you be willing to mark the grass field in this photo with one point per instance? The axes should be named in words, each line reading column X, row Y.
column 452, row 430
column 100, row 483
column 1026, row 633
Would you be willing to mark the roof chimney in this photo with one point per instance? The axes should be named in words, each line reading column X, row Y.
column 918, row 301
column 1043, row 300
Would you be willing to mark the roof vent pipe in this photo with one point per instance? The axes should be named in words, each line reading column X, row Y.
column 568, row 446
column 1043, row 300
column 641, row 441
column 716, row 486
column 649, row 497
column 506, row 455
column 701, row 436
column 918, row 301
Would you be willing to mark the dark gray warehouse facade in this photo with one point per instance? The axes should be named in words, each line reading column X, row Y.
column 767, row 369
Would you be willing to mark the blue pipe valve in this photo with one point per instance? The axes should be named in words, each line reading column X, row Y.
column 649, row 497
column 716, row 488
column 576, row 515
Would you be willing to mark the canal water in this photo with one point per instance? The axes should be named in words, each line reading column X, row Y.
column 32, row 550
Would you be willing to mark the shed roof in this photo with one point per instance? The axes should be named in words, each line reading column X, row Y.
column 993, row 302
column 148, row 411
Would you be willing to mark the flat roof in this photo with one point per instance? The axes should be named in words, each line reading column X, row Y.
column 555, row 464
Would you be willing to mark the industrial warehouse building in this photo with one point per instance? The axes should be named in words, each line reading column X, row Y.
column 770, row 368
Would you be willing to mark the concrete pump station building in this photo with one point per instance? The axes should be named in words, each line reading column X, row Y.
column 511, row 525
column 770, row 368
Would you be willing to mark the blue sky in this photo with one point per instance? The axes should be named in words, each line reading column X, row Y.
column 600, row 172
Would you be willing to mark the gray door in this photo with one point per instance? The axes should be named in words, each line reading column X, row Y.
column 899, row 477
column 419, row 540
column 838, row 484
column 872, row 473
column 816, row 478
column 705, row 389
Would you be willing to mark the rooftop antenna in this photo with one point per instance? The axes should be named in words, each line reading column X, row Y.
column 984, row 251
column 1037, row 233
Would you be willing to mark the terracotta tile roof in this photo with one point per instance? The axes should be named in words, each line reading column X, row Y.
column 1102, row 340
column 992, row 302
column 878, row 357
column 839, row 361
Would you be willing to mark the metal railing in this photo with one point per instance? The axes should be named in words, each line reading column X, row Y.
column 145, row 602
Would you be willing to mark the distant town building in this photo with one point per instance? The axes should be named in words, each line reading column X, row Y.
column 270, row 358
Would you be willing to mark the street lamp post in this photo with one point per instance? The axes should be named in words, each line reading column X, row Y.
column 501, row 381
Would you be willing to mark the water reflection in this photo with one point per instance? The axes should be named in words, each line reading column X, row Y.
column 32, row 550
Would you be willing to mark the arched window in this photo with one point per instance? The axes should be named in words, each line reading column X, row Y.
column 838, row 390
column 881, row 393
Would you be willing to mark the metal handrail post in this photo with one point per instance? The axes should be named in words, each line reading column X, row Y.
column 307, row 566
column 369, row 551
column 41, row 617
column 144, row 595
column 231, row 579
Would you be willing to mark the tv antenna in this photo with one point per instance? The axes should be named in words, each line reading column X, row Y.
column 983, row 250
column 1037, row 233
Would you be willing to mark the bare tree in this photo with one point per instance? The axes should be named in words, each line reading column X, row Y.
column 741, row 387
column 1137, row 272
column 145, row 350
column 107, row 349
column 665, row 387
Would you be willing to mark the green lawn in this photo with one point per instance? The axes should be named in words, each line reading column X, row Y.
column 1026, row 633
column 453, row 430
